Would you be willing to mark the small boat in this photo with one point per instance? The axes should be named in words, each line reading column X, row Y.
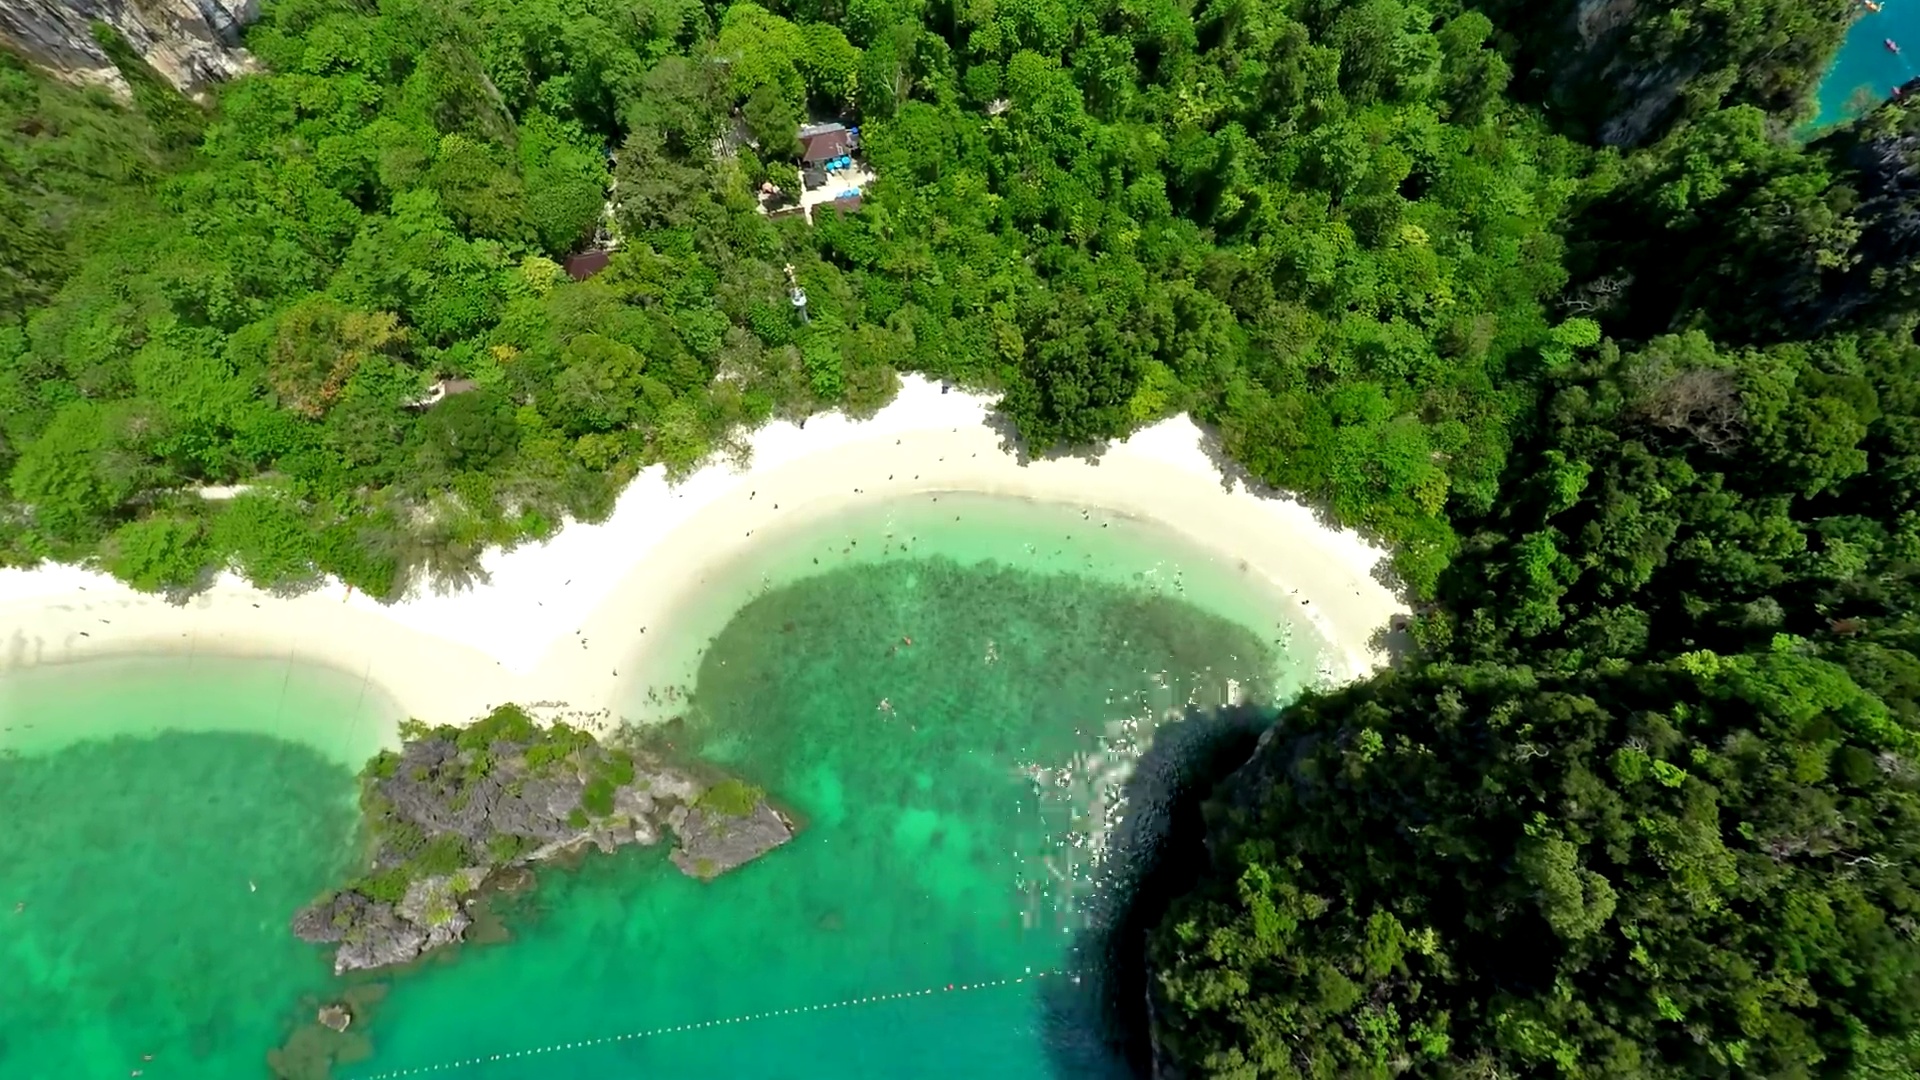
column 1892, row 45
column 1871, row 5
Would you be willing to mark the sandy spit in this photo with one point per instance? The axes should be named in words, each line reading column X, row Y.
column 446, row 658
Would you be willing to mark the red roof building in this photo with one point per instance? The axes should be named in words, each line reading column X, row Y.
column 825, row 146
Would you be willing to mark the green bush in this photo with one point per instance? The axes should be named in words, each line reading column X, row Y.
column 386, row 886
column 597, row 799
column 506, row 847
column 618, row 768
column 508, row 723
column 381, row 766
column 443, row 855
column 402, row 837
column 734, row 798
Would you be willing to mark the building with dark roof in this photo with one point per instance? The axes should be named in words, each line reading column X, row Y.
column 825, row 146
column 584, row 265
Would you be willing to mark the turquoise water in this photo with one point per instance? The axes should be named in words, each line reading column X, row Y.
column 1865, row 72
column 971, row 834
column 145, row 877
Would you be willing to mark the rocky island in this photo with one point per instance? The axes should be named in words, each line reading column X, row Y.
column 455, row 807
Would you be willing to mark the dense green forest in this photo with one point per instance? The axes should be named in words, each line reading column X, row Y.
column 1546, row 295
column 1320, row 227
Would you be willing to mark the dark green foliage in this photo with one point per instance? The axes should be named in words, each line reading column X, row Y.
column 1320, row 229
column 64, row 156
column 1700, row 868
column 597, row 799
column 1646, row 805
column 1625, row 72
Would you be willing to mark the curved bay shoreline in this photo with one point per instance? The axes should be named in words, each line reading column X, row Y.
column 555, row 622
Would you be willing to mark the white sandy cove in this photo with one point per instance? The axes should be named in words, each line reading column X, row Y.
column 447, row 658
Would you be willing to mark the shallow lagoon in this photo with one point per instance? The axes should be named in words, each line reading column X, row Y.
column 959, row 836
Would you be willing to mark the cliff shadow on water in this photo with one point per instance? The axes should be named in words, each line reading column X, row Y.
column 1097, row 1025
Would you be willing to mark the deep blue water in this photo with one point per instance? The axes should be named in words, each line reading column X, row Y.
column 1865, row 64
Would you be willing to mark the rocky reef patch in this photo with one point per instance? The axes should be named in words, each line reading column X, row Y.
column 457, row 808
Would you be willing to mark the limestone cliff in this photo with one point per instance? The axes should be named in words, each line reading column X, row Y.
column 1622, row 72
column 191, row 43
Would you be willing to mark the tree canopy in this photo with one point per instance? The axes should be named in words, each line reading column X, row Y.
column 1550, row 297
column 1704, row 867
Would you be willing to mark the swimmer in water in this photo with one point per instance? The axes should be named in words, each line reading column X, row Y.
column 886, row 705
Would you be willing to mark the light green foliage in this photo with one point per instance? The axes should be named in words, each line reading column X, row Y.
column 821, row 355
column 762, row 49
column 157, row 553
column 509, row 723
column 731, row 797
column 619, row 768
column 1315, row 228
column 828, row 62
column 68, row 479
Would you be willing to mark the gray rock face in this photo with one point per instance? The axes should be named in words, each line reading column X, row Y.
column 511, row 812
column 370, row 934
column 712, row 843
column 191, row 43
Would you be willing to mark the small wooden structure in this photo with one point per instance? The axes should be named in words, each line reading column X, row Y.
column 585, row 264
column 441, row 391
column 845, row 204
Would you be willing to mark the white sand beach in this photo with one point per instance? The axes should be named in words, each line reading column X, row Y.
column 447, row 658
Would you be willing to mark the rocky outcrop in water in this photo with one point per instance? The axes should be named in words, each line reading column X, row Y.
column 191, row 43
column 457, row 807
column 713, row 842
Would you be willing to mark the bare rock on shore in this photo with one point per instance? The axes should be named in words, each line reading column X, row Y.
column 370, row 934
column 712, row 843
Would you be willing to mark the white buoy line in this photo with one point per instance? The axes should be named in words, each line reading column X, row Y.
column 799, row 1010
